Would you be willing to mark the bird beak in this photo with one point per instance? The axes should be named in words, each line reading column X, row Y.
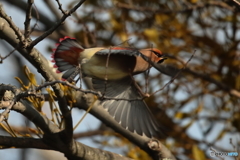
column 162, row 59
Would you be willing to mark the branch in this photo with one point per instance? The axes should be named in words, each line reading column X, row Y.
column 33, row 56
column 3, row 58
column 60, row 7
column 96, row 93
column 82, row 152
column 45, row 20
column 172, row 71
column 161, row 149
column 88, row 133
column 176, row 76
column 57, row 15
column 28, row 19
column 162, row 11
column 47, row 33
column 40, row 62
column 57, row 140
column 12, row 25
column 16, row 142
column 25, row 109
column 52, row 138
column 87, row 100
column 169, row 70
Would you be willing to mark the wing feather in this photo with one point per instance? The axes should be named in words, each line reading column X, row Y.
column 132, row 115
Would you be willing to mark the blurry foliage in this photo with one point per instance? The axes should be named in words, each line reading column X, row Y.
column 176, row 28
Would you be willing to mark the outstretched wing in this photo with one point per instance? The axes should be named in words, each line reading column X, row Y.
column 66, row 56
column 119, row 50
column 132, row 115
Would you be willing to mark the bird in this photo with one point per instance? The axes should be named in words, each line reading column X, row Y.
column 112, row 70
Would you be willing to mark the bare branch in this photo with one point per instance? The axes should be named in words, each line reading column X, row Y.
column 79, row 151
column 11, row 24
column 28, row 19
column 4, row 114
column 88, row 134
column 60, row 8
column 161, row 11
column 3, row 58
column 172, row 71
column 98, row 94
column 163, row 152
column 47, row 33
column 173, row 78
column 8, row 142
column 98, row 111
column 25, row 109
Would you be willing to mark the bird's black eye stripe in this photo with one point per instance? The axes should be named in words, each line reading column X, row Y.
column 157, row 54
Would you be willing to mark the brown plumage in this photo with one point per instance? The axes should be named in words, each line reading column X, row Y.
column 123, row 62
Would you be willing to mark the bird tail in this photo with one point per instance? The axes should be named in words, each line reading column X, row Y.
column 66, row 56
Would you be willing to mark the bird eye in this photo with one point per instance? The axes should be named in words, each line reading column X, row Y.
column 157, row 54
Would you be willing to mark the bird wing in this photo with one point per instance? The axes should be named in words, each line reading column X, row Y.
column 66, row 56
column 119, row 50
column 132, row 115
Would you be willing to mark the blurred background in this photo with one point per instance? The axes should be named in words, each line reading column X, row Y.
column 200, row 109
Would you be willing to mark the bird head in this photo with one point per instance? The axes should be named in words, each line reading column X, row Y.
column 154, row 54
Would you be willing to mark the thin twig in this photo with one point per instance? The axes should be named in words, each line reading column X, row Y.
column 37, row 18
column 143, row 95
column 4, row 114
column 2, row 58
column 11, row 131
column 28, row 18
column 161, row 11
column 59, row 23
column 85, row 114
column 106, row 69
column 98, row 94
column 60, row 8
column 173, row 78
column 147, row 81
column 12, row 25
column 80, row 75
column 147, row 77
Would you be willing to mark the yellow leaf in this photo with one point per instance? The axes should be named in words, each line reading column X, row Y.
column 116, row 25
column 189, row 124
column 161, row 18
column 51, row 93
column 198, row 154
column 32, row 79
column 21, row 82
column 30, row 76
column 152, row 34
column 238, row 82
column 33, row 130
column 181, row 115
column 199, row 108
column 194, row 1
column 221, row 135
column 123, row 36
